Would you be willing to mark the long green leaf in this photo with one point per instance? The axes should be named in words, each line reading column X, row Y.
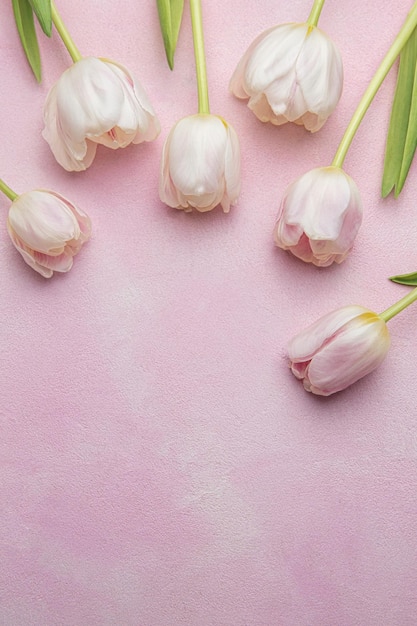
column 170, row 16
column 411, row 138
column 402, row 132
column 42, row 9
column 25, row 25
column 405, row 279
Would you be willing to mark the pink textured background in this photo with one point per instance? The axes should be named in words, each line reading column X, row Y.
column 159, row 463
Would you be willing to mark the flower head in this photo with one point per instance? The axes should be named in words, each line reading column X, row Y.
column 319, row 216
column 200, row 164
column 47, row 230
column 96, row 101
column 338, row 349
column 291, row 73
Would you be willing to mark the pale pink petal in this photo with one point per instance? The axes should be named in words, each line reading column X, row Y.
column 273, row 60
column 43, row 221
column 236, row 85
column 305, row 345
column 82, row 218
column 202, row 202
column 27, row 254
column 231, row 169
column 61, row 263
column 262, row 109
column 319, row 70
column 197, row 150
column 360, row 347
column 167, row 190
column 311, row 121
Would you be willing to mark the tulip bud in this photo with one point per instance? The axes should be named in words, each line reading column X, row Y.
column 319, row 216
column 200, row 164
column 290, row 73
column 47, row 230
column 96, row 101
column 338, row 349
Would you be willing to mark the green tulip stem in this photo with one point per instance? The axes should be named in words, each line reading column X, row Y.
column 313, row 18
column 200, row 57
column 7, row 191
column 386, row 64
column 64, row 34
column 399, row 306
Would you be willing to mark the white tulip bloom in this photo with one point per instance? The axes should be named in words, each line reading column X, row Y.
column 200, row 164
column 96, row 101
column 291, row 73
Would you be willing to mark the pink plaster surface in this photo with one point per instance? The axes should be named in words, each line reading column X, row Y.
column 159, row 463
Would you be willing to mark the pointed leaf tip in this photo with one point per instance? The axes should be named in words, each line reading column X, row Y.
column 170, row 16
column 42, row 10
column 405, row 279
column 26, row 28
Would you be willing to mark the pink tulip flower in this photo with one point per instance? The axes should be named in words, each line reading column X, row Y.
column 47, row 230
column 319, row 216
column 96, row 101
column 290, row 73
column 339, row 349
column 200, row 164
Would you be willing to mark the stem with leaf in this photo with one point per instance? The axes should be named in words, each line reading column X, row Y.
column 399, row 306
column 12, row 195
column 64, row 34
column 200, row 57
column 313, row 18
column 399, row 42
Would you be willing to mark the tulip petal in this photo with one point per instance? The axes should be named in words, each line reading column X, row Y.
column 60, row 263
column 237, row 82
column 308, row 342
column 231, row 169
column 360, row 347
column 72, row 155
column 311, row 121
column 196, row 156
column 167, row 190
column 261, row 108
column 82, row 218
column 27, row 255
column 136, row 121
column 273, row 59
column 43, row 221
column 320, row 72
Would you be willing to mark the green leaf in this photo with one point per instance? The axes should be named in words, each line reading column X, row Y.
column 170, row 15
column 405, row 279
column 402, row 132
column 42, row 9
column 23, row 15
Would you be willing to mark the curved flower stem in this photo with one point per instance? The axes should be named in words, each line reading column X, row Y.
column 12, row 195
column 313, row 18
column 200, row 57
column 400, row 40
column 399, row 306
column 64, row 34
